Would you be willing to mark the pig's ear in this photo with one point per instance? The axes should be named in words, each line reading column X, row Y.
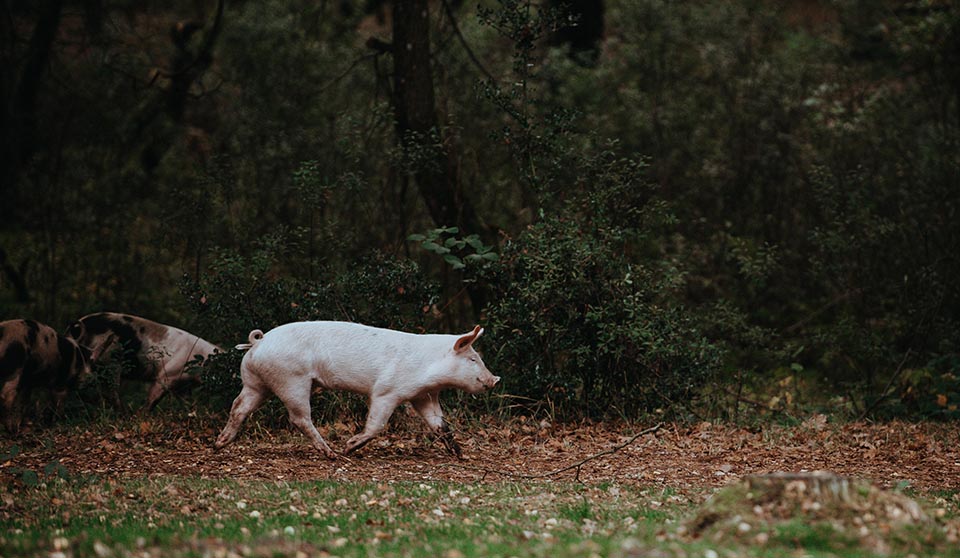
column 464, row 341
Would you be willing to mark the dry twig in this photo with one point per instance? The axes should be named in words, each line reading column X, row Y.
column 463, row 41
column 578, row 465
column 886, row 391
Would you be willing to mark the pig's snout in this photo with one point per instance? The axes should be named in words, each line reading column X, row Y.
column 489, row 381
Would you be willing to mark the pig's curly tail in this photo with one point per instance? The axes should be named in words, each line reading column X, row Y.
column 254, row 336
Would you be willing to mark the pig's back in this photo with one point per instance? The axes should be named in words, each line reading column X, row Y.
column 336, row 355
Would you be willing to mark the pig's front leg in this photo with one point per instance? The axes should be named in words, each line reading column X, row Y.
column 114, row 387
column 169, row 379
column 157, row 391
column 12, row 403
column 59, row 396
column 380, row 410
column 428, row 407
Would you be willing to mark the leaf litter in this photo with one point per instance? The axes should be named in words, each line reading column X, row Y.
column 923, row 456
column 676, row 466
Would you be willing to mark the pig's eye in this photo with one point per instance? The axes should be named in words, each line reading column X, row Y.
column 472, row 359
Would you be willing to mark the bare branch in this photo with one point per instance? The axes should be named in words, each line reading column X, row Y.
column 355, row 63
column 456, row 29
column 886, row 391
column 578, row 465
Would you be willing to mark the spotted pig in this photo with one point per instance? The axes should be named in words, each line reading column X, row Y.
column 34, row 356
column 147, row 350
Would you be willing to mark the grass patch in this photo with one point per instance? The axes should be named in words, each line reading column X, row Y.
column 184, row 516
column 193, row 516
column 816, row 537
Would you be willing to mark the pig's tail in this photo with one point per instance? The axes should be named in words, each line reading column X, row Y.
column 254, row 336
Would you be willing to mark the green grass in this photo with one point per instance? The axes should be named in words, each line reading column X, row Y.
column 818, row 537
column 182, row 516
column 191, row 516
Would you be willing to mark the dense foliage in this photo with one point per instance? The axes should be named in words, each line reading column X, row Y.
column 725, row 203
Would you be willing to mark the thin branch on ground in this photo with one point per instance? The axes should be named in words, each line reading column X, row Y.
column 886, row 390
column 578, row 465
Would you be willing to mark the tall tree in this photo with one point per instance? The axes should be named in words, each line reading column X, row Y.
column 20, row 84
column 418, row 128
column 416, row 119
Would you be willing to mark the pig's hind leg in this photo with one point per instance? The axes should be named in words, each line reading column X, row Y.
column 428, row 407
column 296, row 398
column 249, row 399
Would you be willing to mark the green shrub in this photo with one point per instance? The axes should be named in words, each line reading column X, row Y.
column 929, row 392
column 587, row 317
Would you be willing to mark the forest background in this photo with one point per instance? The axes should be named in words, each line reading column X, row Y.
column 694, row 209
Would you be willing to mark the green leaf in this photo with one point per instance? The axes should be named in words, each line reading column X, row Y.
column 11, row 453
column 453, row 261
column 434, row 247
column 492, row 256
column 474, row 241
column 30, row 478
column 55, row 468
column 416, row 237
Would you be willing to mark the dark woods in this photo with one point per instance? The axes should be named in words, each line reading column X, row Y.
column 696, row 208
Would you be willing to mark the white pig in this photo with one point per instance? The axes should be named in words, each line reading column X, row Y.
column 389, row 367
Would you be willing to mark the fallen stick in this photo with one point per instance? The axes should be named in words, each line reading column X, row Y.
column 576, row 465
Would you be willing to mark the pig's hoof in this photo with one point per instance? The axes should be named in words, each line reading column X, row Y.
column 452, row 445
column 355, row 443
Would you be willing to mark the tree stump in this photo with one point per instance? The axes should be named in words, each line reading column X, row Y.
column 845, row 504
column 820, row 486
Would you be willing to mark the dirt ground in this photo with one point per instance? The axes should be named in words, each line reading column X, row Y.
column 922, row 456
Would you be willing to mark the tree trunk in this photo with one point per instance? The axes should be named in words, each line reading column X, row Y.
column 18, row 110
column 16, row 277
column 418, row 129
column 416, row 118
column 186, row 69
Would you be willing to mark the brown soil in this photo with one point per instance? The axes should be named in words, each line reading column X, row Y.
column 924, row 456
